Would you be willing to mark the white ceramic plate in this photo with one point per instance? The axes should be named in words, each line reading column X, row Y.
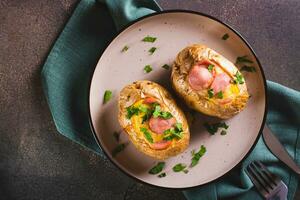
column 174, row 31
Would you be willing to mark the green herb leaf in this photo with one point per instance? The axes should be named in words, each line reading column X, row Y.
column 210, row 67
column 116, row 135
column 242, row 59
column 125, row 48
column 157, row 168
column 178, row 126
column 149, row 39
column 107, row 96
column 162, row 175
column 248, row 69
column 220, row 95
column 156, row 112
column 131, row 110
column 225, row 36
column 186, row 171
column 118, row 149
column 213, row 128
column 174, row 132
column 143, row 109
column 165, row 66
column 147, row 134
column 210, row 93
column 223, row 132
column 239, row 79
column 198, row 155
column 179, row 167
column 147, row 69
column 151, row 51
column 166, row 115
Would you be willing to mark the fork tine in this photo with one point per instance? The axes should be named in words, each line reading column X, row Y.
column 257, row 181
column 274, row 179
column 268, row 181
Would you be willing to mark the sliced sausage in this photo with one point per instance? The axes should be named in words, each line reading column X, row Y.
column 161, row 145
column 199, row 77
column 220, row 82
column 159, row 125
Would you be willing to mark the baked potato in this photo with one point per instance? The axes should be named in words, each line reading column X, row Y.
column 155, row 124
column 208, row 82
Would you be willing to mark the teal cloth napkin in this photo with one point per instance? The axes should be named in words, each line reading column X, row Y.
column 68, row 68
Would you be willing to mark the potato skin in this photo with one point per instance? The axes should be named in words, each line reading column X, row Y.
column 141, row 89
column 198, row 100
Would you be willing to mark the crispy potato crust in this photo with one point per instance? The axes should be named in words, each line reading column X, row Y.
column 139, row 90
column 198, row 100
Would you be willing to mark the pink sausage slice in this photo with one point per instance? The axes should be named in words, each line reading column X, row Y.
column 159, row 125
column 220, row 83
column 161, row 145
column 199, row 77
column 149, row 100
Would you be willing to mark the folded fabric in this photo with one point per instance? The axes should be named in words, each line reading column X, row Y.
column 68, row 68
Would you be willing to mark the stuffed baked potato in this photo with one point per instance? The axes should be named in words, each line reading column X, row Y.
column 155, row 124
column 208, row 82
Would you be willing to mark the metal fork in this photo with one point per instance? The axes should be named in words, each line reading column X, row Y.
column 268, row 184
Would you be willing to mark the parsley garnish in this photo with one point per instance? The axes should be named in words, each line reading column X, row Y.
column 213, row 128
column 125, row 48
column 220, row 95
column 198, row 155
column 243, row 59
column 210, row 93
column 157, row 168
column 107, row 96
column 118, row 149
column 210, row 67
column 238, row 78
column 151, row 51
column 149, row 39
column 175, row 132
column 225, row 36
column 131, row 110
column 117, row 136
column 248, row 69
column 158, row 113
column 147, row 134
column 162, row 175
column 147, row 69
column 223, row 132
column 165, row 66
column 179, row 167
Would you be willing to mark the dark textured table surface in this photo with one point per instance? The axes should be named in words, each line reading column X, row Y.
column 38, row 163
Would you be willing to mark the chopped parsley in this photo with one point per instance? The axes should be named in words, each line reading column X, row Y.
column 213, row 128
column 162, row 175
column 147, row 134
column 149, row 39
column 151, row 51
column 147, row 69
column 210, row 67
column 107, row 96
column 185, row 171
column 116, row 135
column 179, row 167
column 196, row 156
column 166, row 66
column 118, row 149
column 225, row 36
column 223, row 132
column 238, row 78
column 248, row 69
column 158, row 113
column 131, row 110
column 220, row 95
column 210, row 93
column 242, row 59
column 125, row 48
column 157, row 168
column 175, row 132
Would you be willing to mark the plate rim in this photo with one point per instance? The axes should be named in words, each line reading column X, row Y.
column 118, row 32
